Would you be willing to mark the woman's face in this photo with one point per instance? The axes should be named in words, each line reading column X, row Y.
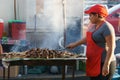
column 93, row 18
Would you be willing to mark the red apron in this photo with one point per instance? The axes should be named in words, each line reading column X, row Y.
column 94, row 53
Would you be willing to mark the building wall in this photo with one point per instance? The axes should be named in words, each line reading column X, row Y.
column 6, row 12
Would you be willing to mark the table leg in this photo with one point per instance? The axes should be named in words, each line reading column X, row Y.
column 3, row 73
column 23, row 70
column 63, row 72
column 73, row 72
column 8, row 72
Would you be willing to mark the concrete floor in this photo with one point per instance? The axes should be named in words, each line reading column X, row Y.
column 79, row 75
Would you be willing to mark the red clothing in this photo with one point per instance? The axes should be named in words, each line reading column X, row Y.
column 94, row 53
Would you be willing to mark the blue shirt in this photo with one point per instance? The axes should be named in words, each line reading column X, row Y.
column 99, row 35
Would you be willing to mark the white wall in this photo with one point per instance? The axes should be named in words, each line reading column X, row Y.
column 74, row 8
column 21, row 9
column 6, row 11
column 26, row 10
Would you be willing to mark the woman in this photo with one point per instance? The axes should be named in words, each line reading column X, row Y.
column 100, row 41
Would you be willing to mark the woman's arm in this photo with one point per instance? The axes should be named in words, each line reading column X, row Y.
column 110, row 46
column 75, row 44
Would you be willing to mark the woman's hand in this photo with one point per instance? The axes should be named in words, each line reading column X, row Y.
column 71, row 46
column 77, row 43
column 105, row 70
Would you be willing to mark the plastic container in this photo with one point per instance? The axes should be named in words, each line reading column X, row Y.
column 4, row 40
column 10, row 26
column 36, row 69
column 1, row 28
column 17, row 29
column 82, row 66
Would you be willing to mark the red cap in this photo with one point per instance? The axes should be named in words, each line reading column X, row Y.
column 99, row 9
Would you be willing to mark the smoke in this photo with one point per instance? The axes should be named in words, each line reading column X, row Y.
column 50, row 41
column 50, row 25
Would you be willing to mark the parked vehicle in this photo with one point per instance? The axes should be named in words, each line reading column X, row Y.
column 113, row 18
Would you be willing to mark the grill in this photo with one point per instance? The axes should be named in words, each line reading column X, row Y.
column 40, row 53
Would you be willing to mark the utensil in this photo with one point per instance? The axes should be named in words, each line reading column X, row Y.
column 61, row 49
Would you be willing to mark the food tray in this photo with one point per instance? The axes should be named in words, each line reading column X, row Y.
column 17, row 59
column 80, row 58
column 13, row 59
column 34, row 58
